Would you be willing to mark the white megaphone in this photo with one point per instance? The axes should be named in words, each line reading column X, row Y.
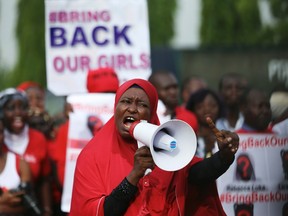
column 172, row 144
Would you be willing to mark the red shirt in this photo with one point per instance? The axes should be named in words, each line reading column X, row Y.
column 36, row 154
column 185, row 115
column 57, row 151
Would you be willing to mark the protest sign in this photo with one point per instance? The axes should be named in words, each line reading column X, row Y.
column 89, row 34
column 257, row 182
column 95, row 109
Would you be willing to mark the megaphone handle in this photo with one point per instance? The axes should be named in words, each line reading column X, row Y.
column 140, row 144
column 147, row 171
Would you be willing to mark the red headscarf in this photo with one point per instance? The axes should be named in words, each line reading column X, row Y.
column 107, row 159
column 149, row 90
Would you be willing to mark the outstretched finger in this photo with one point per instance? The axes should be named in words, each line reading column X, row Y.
column 212, row 126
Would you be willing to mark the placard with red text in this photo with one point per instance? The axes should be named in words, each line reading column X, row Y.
column 89, row 34
column 257, row 182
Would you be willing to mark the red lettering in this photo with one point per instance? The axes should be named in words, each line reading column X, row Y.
column 79, row 16
column 122, row 61
column 58, row 64
column 72, row 64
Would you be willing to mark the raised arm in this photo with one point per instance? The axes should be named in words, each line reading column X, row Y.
column 209, row 169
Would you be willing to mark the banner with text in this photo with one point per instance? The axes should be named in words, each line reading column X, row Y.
column 257, row 182
column 89, row 34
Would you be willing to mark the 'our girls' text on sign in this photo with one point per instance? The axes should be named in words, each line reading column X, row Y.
column 88, row 34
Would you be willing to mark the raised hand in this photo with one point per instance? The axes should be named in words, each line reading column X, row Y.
column 228, row 142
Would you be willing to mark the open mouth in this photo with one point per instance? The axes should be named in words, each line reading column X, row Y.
column 128, row 121
column 17, row 122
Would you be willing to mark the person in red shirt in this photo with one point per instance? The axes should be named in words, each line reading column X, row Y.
column 26, row 142
column 110, row 171
column 15, row 181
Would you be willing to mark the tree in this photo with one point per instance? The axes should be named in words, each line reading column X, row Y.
column 279, row 32
column 230, row 23
column 161, row 20
column 30, row 33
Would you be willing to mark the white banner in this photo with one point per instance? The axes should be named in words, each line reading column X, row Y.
column 94, row 110
column 88, row 34
column 257, row 181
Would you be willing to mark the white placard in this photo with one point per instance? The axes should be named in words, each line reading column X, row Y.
column 100, row 105
column 88, row 34
column 257, row 181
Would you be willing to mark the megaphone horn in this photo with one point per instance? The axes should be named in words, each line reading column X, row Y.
column 172, row 144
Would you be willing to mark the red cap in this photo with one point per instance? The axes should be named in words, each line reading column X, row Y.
column 28, row 84
column 102, row 80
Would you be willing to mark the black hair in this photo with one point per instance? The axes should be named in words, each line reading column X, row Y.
column 200, row 95
column 9, row 94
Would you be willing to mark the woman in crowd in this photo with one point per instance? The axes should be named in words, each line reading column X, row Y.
column 110, row 172
column 26, row 142
column 14, row 172
column 203, row 103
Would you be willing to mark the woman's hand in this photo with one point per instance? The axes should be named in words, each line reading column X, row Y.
column 228, row 142
column 142, row 161
column 11, row 199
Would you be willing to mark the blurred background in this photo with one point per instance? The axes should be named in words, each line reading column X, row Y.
column 200, row 37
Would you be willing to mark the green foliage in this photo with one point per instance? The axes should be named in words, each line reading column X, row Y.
column 161, row 20
column 230, row 23
column 31, row 39
column 217, row 26
column 237, row 23
column 279, row 8
column 4, row 77
column 279, row 33
column 248, row 21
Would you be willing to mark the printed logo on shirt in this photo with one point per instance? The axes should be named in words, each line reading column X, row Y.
column 30, row 158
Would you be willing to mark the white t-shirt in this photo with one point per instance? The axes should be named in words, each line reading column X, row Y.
column 9, row 177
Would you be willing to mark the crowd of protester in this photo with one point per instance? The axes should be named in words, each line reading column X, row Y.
column 36, row 141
